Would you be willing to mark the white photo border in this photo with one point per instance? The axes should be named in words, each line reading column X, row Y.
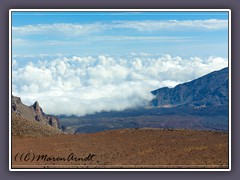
column 117, row 10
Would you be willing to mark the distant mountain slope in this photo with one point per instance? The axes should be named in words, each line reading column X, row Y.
column 31, row 120
column 209, row 90
column 200, row 104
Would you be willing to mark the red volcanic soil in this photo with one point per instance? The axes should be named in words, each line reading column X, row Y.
column 129, row 148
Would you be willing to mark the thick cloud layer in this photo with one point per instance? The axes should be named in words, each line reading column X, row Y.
column 84, row 85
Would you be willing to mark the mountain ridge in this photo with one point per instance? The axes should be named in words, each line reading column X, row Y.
column 31, row 121
column 208, row 90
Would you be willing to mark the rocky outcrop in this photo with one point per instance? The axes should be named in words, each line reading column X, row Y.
column 33, row 113
column 28, row 128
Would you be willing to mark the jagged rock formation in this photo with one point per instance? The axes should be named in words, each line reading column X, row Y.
column 33, row 112
column 209, row 90
column 32, row 118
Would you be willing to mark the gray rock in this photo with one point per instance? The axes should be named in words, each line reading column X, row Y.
column 33, row 113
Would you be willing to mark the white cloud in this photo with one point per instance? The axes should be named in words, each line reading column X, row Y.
column 71, row 30
column 14, row 63
column 57, row 28
column 20, row 42
column 144, row 38
column 209, row 24
column 32, row 78
column 84, row 85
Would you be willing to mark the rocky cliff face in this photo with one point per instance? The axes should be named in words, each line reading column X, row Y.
column 33, row 113
column 209, row 90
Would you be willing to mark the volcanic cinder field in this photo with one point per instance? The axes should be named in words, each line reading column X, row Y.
column 129, row 148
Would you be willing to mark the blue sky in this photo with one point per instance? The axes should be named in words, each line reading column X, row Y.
column 115, row 33
column 25, row 18
column 87, row 62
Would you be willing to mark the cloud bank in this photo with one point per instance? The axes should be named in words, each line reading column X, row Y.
column 77, row 85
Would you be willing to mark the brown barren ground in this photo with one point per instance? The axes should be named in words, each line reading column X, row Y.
column 129, row 148
column 27, row 128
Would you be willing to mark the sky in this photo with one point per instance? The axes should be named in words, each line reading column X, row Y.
column 79, row 63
